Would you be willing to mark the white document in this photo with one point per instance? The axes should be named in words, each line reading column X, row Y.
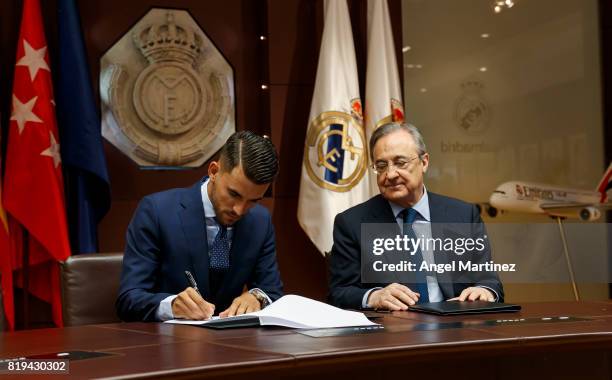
column 295, row 312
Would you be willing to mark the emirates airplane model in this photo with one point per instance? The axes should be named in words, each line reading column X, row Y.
column 555, row 201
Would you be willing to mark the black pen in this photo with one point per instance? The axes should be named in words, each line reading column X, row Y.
column 192, row 281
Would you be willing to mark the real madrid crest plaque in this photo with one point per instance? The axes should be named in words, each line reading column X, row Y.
column 472, row 112
column 167, row 93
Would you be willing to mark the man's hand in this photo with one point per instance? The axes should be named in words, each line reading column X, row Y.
column 246, row 303
column 190, row 305
column 475, row 293
column 393, row 297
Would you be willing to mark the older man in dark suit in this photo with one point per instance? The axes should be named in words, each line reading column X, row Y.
column 400, row 160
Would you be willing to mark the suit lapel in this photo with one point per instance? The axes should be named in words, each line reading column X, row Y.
column 438, row 216
column 194, row 228
column 381, row 212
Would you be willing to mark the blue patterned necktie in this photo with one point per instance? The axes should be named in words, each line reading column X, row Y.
column 409, row 216
column 219, row 252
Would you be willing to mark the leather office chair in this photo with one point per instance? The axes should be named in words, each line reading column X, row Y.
column 89, row 284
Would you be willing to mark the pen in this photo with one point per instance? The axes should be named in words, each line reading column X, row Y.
column 192, row 281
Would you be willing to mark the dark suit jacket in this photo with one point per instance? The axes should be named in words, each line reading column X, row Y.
column 347, row 290
column 167, row 236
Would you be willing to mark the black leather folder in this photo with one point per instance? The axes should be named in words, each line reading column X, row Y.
column 233, row 322
column 466, row 307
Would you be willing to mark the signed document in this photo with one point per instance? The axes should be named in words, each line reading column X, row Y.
column 289, row 311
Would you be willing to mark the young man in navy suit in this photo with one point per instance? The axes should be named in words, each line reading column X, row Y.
column 216, row 231
column 400, row 160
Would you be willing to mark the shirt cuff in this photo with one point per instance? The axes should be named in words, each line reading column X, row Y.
column 491, row 290
column 164, row 310
column 364, row 300
column 262, row 292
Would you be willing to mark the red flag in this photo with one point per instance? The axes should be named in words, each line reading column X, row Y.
column 33, row 184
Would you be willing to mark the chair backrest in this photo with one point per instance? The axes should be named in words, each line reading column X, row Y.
column 90, row 283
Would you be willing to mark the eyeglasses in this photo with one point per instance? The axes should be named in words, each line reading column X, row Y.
column 381, row 167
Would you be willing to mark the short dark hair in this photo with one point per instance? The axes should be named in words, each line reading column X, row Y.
column 256, row 155
column 389, row 128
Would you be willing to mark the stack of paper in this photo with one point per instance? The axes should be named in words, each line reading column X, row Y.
column 292, row 311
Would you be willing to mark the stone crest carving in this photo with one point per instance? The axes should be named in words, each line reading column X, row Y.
column 167, row 93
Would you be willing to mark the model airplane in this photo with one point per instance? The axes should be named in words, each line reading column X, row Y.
column 555, row 201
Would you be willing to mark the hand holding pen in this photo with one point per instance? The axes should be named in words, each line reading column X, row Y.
column 189, row 303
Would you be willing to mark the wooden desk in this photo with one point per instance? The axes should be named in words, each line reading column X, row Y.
column 412, row 346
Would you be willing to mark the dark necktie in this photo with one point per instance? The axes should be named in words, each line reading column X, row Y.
column 219, row 252
column 409, row 216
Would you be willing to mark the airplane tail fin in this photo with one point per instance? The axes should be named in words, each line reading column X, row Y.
column 605, row 184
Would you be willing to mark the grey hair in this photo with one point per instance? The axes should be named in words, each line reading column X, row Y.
column 389, row 128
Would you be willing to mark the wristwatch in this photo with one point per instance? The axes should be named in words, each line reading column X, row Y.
column 260, row 296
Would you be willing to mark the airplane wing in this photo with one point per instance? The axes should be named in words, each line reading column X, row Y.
column 584, row 211
column 567, row 206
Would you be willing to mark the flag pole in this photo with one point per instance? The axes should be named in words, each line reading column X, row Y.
column 26, row 280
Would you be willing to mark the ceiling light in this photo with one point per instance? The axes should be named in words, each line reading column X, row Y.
column 500, row 5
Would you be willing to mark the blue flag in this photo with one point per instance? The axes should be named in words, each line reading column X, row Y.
column 87, row 185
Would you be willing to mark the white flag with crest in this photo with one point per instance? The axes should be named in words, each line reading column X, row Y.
column 334, row 167
column 383, row 88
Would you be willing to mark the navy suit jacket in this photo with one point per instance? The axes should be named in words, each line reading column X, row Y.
column 167, row 236
column 345, row 287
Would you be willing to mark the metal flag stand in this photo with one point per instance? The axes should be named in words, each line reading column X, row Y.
column 570, row 268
